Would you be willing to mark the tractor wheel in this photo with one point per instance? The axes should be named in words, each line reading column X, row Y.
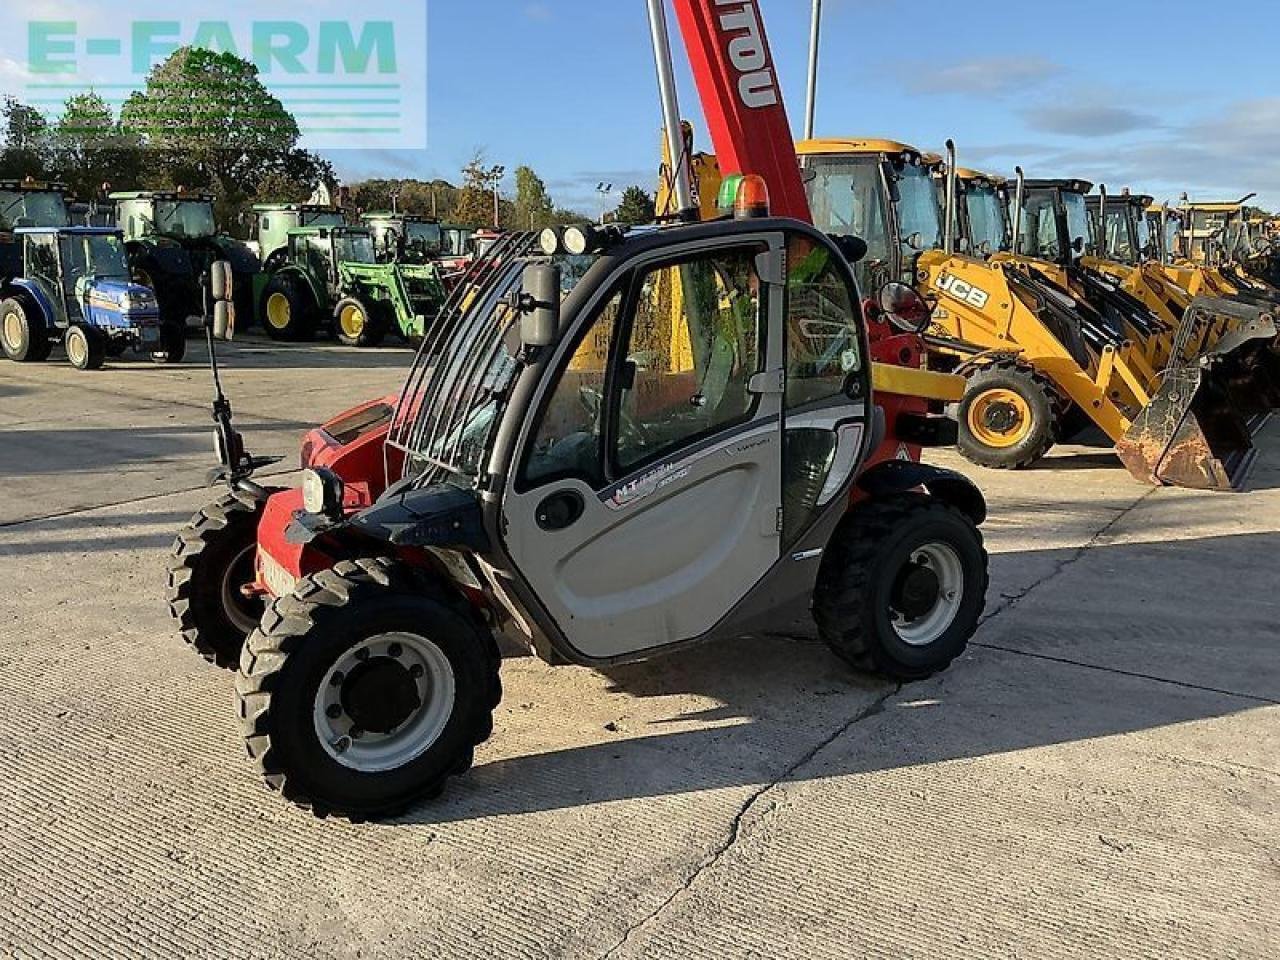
column 1008, row 417
column 902, row 584
column 212, row 559
column 357, row 324
column 22, row 333
column 286, row 310
column 86, row 347
column 364, row 690
column 173, row 344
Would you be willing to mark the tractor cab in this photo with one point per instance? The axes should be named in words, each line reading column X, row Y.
column 1166, row 225
column 1207, row 227
column 881, row 191
column 1056, row 226
column 982, row 216
column 275, row 220
column 33, row 203
column 321, row 250
column 175, row 216
column 1120, row 228
column 405, row 237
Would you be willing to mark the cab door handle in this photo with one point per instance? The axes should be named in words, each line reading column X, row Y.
column 560, row 510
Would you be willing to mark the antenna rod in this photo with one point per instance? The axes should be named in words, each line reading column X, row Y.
column 680, row 174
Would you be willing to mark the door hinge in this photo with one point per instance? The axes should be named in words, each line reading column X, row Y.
column 769, row 381
column 779, row 525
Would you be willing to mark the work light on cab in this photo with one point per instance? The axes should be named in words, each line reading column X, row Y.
column 752, row 198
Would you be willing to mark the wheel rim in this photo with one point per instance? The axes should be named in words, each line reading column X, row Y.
column 351, row 320
column 243, row 613
column 999, row 418
column 278, row 311
column 384, row 702
column 927, row 594
column 77, row 348
column 12, row 330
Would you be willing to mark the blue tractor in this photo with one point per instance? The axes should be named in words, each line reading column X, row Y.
column 73, row 284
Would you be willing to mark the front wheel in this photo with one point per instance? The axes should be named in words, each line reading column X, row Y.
column 1008, row 417
column 86, row 347
column 356, row 324
column 902, row 585
column 364, row 690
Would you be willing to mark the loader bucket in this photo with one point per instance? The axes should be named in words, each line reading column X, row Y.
column 1190, row 435
column 1245, row 358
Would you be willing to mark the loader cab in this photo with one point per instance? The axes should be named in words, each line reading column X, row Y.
column 319, row 250
column 1165, row 225
column 33, row 203
column 881, row 191
column 1206, row 226
column 1121, row 232
column 1055, row 220
column 275, row 220
column 176, row 215
column 456, row 240
column 405, row 237
column 696, row 419
column 982, row 214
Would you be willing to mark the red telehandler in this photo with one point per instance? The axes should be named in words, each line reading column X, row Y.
column 616, row 444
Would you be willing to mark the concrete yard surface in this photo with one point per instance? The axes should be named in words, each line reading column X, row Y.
column 1099, row 776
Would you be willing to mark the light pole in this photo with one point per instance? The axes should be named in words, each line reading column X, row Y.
column 497, row 173
column 604, row 189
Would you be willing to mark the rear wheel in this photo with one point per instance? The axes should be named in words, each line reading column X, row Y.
column 173, row 344
column 366, row 689
column 212, row 558
column 902, row 584
column 286, row 310
column 22, row 332
column 86, row 347
column 357, row 324
column 1008, row 417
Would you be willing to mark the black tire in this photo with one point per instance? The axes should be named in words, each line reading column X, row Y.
column 306, row 634
column 863, row 579
column 213, row 555
column 173, row 344
column 23, row 335
column 1030, row 420
column 86, row 347
column 358, row 324
column 243, row 298
column 298, row 322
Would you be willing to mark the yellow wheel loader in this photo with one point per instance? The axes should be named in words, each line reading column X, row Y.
column 1028, row 348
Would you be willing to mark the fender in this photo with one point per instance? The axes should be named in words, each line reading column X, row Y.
column 440, row 515
column 304, row 279
column 32, row 289
column 902, row 476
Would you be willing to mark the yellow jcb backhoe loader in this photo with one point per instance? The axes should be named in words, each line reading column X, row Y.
column 1026, row 348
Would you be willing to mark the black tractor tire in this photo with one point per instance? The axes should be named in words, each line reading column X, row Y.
column 212, row 557
column 86, row 347
column 23, row 335
column 356, row 323
column 297, row 319
column 242, row 297
column 306, row 635
column 869, row 586
column 1009, row 417
column 173, row 344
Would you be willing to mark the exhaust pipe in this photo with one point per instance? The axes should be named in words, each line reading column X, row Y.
column 1019, row 197
column 1103, row 248
column 811, row 99
column 681, row 173
column 949, row 242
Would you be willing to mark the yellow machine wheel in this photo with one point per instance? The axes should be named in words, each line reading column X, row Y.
column 1009, row 415
column 358, row 323
column 279, row 312
column 286, row 309
column 351, row 321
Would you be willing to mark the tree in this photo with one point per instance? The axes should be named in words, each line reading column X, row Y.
column 26, row 141
column 636, row 207
column 90, row 149
column 428, row 198
column 533, row 208
column 479, row 181
column 207, row 114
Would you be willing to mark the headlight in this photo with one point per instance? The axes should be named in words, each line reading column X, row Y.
column 322, row 491
column 126, row 302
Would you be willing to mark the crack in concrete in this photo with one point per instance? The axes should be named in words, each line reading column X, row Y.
column 735, row 832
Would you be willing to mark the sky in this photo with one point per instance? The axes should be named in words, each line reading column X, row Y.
column 1159, row 97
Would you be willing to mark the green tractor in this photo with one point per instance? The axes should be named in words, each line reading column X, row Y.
column 172, row 241
column 275, row 220
column 405, row 237
column 331, row 278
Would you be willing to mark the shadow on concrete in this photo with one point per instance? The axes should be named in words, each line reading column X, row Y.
column 788, row 697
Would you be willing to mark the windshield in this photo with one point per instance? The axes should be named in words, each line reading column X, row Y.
column 1040, row 227
column 448, row 410
column 426, row 237
column 185, row 218
column 36, row 208
column 353, row 248
column 1173, row 237
column 919, row 221
column 1144, row 234
column 988, row 232
column 1077, row 219
column 333, row 219
column 1118, row 244
column 846, row 198
column 95, row 255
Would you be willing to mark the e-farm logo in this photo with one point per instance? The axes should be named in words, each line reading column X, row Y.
column 361, row 78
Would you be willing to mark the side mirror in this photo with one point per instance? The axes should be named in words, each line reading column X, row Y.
column 224, row 320
column 540, row 305
column 221, row 281
column 905, row 308
column 853, row 248
column 1078, row 244
column 915, row 241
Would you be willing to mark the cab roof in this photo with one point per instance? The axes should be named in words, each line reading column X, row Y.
column 1215, row 207
column 388, row 215
column 293, row 208
column 1071, row 186
column 70, row 231
column 314, row 231
column 968, row 173
column 161, row 195
column 838, row 146
column 1125, row 199
column 35, row 186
